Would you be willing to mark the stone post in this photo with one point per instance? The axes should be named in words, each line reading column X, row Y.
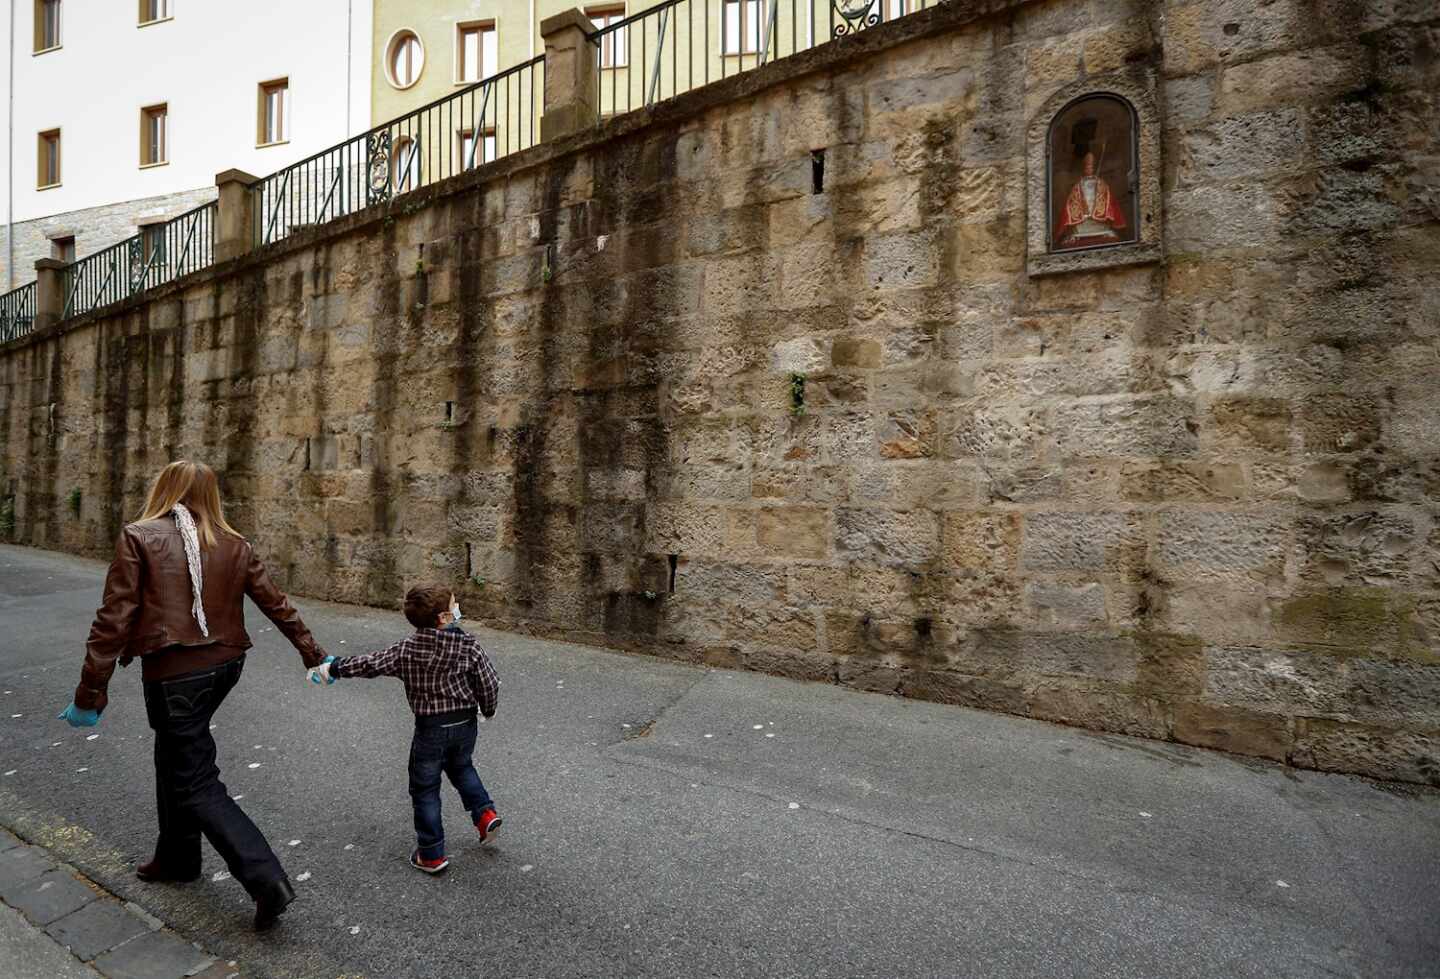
column 572, row 83
column 234, row 217
column 49, row 292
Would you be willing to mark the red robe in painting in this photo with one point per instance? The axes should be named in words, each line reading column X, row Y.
column 1105, row 211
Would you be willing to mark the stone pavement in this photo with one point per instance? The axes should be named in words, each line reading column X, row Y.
column 56, row 924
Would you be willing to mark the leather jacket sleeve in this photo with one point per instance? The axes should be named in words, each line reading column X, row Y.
column 110, row 632
column 277, row 609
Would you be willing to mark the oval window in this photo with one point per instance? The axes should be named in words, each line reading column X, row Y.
column 405, row 59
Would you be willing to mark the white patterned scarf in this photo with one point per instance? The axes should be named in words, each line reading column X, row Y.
column 188, row 534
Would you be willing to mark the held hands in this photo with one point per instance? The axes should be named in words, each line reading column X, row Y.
column 79, row 718
column 321, row 673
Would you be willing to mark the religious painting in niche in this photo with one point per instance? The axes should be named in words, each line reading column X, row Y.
column 1093, row 174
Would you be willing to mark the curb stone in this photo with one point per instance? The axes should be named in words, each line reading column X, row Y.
column 114, row 938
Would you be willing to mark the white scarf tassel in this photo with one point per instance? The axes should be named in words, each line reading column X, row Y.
column 188, row 534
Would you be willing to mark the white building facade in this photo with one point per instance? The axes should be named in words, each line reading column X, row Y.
column 122, row 110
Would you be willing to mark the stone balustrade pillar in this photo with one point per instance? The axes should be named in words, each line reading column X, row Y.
column 572, row 84
column 49, row 292
column 234, row 217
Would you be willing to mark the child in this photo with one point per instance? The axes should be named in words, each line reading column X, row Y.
column 447, row 676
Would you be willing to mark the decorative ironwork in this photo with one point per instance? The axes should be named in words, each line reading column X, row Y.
column 377, row 167
column 855, row 15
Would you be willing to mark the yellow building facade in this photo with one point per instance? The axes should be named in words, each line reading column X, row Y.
column 425, row 50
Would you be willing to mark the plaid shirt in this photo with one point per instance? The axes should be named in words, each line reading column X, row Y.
column 443, row 670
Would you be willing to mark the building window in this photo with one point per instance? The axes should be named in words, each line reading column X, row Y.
column 742, row 26
column 154, row 135
column 404, row 59
column 1093, row 177
column 47, row 24
column 612, row 45
column 47, row 167
column 273, row 119
column 154, row 10
column 465, row 148
column 62, row 248
column 405, row 165
column 475, row 52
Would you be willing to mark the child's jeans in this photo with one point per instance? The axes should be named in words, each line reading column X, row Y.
column 443, row 743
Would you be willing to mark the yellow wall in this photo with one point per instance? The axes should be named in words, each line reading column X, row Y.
column 517, row 32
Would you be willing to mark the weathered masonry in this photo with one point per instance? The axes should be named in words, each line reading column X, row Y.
column 1072, row 359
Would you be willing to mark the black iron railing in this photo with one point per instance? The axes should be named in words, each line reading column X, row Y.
column 17, row 312
column 153, row 257
column 679, row 45
column 490, row 119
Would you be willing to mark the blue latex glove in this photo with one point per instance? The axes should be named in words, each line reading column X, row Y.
column 319, row 674
column 79, row 718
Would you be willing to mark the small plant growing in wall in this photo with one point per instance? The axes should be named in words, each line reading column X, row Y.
column 797, row 394
column 73, row 502
column 477, row 580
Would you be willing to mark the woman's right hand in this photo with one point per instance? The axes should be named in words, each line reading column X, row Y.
column 321, row 673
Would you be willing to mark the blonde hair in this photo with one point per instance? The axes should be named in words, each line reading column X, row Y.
column 193, row 484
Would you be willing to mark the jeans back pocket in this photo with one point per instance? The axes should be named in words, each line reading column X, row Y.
column 189, row 695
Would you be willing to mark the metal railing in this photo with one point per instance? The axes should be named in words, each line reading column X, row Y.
column 679, row 45
column 158, row 254
column 434, row 142
column 17, row 312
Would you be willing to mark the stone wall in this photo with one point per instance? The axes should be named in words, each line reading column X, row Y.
column 1194, row 500
column 94, row 229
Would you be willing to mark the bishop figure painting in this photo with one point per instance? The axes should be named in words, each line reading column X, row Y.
column 1092, row 174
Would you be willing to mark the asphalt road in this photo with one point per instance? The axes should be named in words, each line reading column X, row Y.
column 665, row 820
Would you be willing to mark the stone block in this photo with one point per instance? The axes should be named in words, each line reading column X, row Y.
column 901, row 261
column 794, row 532
column 1200, row 541
column 855, row 352
column 1116, row 47
column 1097, row 710
column 1067, row 607
column 1376, row 751
column 1128, row 428
column 1309, row 75
column 157, row 955
column 982, row 541
column 19, row 866
column 51, row 896
column 887, row 537
column 1249, row 424
column 97, row 927
column 1078, row 541
column 1162, row 482
column 1232, row 729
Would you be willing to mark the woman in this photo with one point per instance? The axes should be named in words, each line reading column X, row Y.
column 175, row 597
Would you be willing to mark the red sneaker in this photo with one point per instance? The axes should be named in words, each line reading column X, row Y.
column 487, row 823
column 428, row 866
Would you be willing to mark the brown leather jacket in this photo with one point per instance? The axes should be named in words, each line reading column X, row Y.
column 148, row 600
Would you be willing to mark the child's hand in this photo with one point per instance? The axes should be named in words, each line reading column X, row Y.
column 321, row 673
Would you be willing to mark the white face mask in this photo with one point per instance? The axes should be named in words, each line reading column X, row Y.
column 454, row 613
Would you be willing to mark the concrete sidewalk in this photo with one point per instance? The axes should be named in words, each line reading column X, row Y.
column 664, row 820
column 56, row 923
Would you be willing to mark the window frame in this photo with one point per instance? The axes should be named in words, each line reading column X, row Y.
column 41, row 21
column 60, row 246
column 146, row 21
column 488, row 146
column 744, row 5
column 262, row 112
column 147, row 114
column 42, row 143
column 413, row 176
column 611, row 14
column 391, row 50
column 482, row 27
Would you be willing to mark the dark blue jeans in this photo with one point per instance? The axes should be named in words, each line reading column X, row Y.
column 442, row 745
column 189, row 796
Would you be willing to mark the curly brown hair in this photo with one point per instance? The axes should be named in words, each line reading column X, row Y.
column 424, row 604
